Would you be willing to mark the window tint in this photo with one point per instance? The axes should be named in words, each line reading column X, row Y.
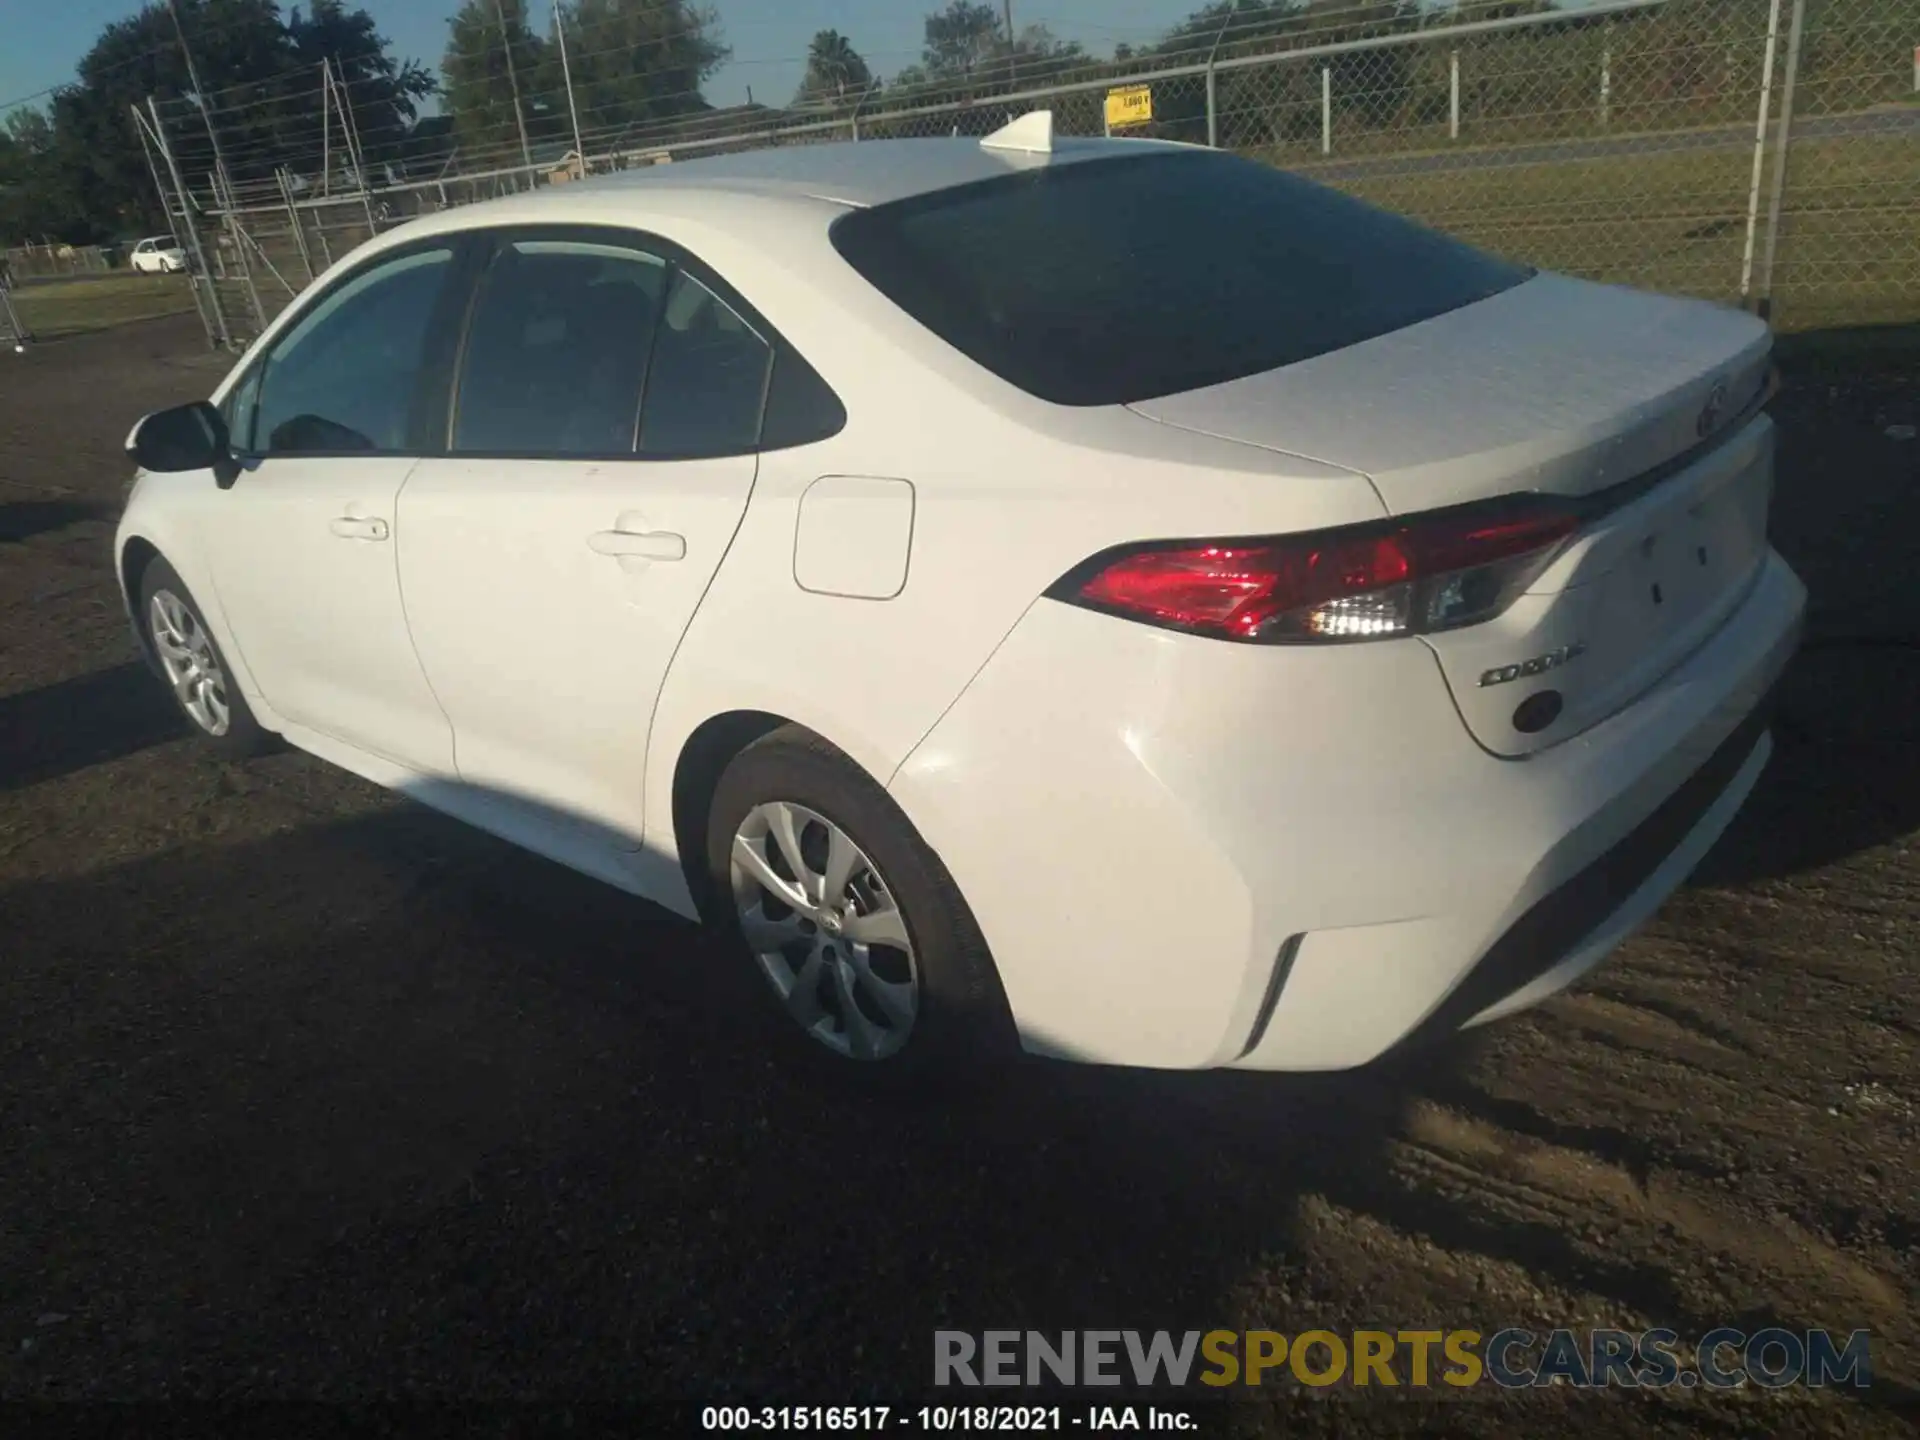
column 1118, row 280
column 801, row 407
column 556, row 354
column 709, row 377
column 343, row 378
column 239, row 408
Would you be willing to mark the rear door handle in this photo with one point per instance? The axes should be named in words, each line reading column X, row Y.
column 639, row 545
column 356, row 527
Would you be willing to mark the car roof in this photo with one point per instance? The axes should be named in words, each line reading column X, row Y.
column 859, row 173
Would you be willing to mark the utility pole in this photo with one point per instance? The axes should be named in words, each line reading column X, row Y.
column 1013, row 63
column 566, row 71
column 199, row 90
column 513, row 79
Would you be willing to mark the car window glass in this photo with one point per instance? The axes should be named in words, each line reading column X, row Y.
column 556, row 353
column 343, row 378
column 240, row 407
column 1109, row 283
column 709, row 377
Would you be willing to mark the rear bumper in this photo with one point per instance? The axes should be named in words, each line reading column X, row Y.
column 1189, row 854
column 1574, row 928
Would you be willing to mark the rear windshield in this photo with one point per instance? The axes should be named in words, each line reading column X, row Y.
column 1112, row 281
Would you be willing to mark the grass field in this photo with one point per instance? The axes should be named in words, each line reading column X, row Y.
column 1849, row 248
column 53, row 308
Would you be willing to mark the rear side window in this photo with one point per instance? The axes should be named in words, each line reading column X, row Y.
column 1112, row 281
column 709, row 377
column 557, row 350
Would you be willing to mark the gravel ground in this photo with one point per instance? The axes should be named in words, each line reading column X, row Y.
column 308, row 1092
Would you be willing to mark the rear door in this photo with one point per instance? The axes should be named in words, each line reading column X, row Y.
column 601, row 450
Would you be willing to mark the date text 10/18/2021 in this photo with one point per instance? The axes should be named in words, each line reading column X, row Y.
column 944, row 1419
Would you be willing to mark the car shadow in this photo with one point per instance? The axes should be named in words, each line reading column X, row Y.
column 23, row 519
column 1845, row 776
column 88, row 720
column 381, row 1104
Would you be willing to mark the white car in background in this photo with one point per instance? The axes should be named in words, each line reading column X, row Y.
column 158, row 255
column 1106, row 595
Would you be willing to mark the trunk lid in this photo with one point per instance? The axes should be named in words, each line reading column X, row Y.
column 1555, row 387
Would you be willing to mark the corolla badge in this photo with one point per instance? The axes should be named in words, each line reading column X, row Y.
column 1538, row 665
column 1713, row 410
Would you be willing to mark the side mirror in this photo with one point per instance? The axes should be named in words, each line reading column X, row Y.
column 187, row 437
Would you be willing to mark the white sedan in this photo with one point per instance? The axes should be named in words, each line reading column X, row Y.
column 1106, row 598
column 158, row 255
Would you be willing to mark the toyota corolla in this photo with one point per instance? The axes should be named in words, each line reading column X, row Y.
column 1106, row 598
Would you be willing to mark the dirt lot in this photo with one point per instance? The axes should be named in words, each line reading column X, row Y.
column 304, row 1091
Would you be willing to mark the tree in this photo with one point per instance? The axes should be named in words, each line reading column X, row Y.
column 962, row 40
column 384, row 95
column 1037, row 57
column 82, row 175
column 635, row 63
column 477, row 83
column 1237, row 27
column 836, row 73
column 34, row 200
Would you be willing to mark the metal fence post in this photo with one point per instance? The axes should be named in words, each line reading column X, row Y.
column 350, row 129
column 1606, row 85
column 566, row 75
column 1796, row 35
column 1453, row 96
column 293, row 216
column 1759, row 150
column 218, row 332
column 860, row 105
column 1213, row 109
column 223, row 187
column 1326, row 109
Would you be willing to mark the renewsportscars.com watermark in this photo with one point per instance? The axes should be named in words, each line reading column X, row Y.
column 1722, row 1359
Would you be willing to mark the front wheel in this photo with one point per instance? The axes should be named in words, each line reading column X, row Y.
column 868, row 959
column 196, row 672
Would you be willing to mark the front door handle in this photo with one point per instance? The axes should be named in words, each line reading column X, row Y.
column 356, row 527
column 639, row 544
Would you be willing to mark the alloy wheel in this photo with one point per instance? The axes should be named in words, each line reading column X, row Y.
column 193, row 668
column 825, row 928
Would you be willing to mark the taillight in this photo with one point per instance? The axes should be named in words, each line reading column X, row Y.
column 1429, row 572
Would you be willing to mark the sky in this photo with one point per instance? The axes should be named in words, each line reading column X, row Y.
column 42, row 40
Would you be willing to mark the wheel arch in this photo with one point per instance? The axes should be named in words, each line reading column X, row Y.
column 136, row 554
column 703, row 759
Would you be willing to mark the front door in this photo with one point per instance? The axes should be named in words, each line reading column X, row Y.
column 303, row 547
column 602, row 451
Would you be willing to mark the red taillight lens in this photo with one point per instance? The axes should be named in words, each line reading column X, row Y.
column 1432, row 572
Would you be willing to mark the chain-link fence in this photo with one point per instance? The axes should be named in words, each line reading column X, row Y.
column 13, row 330
column 47, row 262
column 1753, row 151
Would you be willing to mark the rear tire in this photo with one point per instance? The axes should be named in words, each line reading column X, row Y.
column 197, row 674
column 861, row 954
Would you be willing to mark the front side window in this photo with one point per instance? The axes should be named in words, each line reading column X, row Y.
column 557, row 350
column 344, row 378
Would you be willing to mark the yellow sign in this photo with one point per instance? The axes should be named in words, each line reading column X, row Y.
column 1129, row 105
